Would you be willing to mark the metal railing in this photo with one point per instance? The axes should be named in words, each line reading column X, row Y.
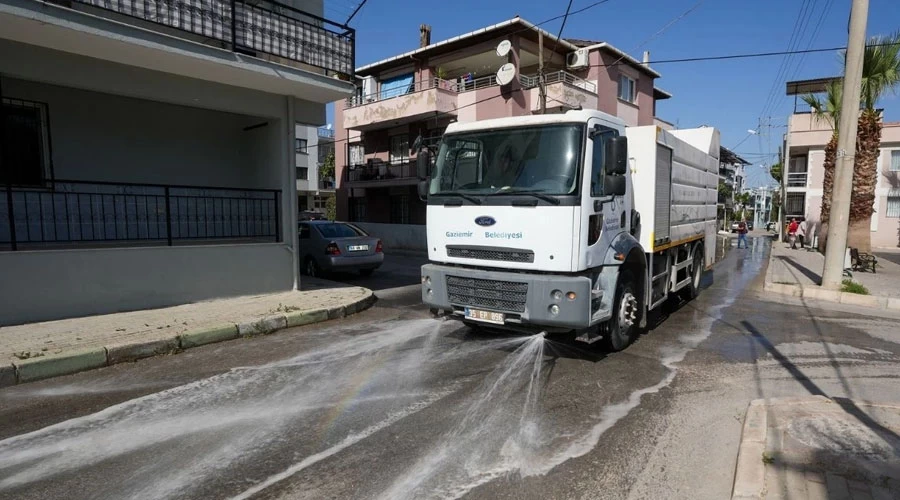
column 76, row 213
column 326, row 184
column 249, row 26
column 796, row 179
column 477, row 83
column 379, row 172
column 415, row 86
column 564, row 77
column 325, row 132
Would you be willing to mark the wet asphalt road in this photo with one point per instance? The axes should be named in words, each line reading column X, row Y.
column 393, row 404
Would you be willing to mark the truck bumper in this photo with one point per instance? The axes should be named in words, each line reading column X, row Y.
column 524, row 299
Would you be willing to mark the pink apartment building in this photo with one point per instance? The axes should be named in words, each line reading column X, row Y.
column 420, row 92
column 805, row 145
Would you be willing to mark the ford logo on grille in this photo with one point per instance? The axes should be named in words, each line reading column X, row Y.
column 485, row 220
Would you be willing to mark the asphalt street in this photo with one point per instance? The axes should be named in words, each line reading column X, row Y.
column 391, row 403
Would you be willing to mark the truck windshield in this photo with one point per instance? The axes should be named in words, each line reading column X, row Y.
column 539, row 159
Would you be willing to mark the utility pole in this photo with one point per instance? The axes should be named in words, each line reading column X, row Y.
column 542, row 88
column 839, row 224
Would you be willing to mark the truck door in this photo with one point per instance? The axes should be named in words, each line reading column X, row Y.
column 606, row 213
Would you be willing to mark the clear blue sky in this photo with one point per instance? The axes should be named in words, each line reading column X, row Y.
column 729, row 95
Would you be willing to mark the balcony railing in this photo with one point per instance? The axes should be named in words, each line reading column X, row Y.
column 379, row 172
column 564, row 77
column 75, row 213
column 327, row 133
column 248, row 27
column 416, row 86
column 326, row 184
column 796, row 179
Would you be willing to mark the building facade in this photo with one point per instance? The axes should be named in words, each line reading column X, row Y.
column 147, row 149
column 312, row 146
column 803, row 179
column 420, row 92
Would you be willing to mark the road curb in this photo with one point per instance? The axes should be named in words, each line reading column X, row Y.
column 39, row 368
column 750, row 471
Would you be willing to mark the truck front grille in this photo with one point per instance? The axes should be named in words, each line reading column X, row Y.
column 484, row 253
column 494, row 295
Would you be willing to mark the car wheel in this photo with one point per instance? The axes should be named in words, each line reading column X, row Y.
column 312, row 269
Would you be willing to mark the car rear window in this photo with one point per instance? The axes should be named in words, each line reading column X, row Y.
column 337, row 230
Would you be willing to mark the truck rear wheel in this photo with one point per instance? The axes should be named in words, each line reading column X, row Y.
column 691, row 291
column 619, row 330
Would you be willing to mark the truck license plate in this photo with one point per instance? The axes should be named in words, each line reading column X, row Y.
column 485, row 316
column 357, row 248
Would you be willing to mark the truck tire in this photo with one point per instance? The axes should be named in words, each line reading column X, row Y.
column 691, row 291
column 619, row 331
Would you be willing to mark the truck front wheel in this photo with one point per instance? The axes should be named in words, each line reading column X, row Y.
column 620, row 329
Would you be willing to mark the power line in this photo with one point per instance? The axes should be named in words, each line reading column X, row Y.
column 561, row 27
column 783, row 67
column 664, row 28
column 741, row 56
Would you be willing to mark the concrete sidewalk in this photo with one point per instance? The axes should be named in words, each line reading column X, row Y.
column 799, row 273
column 41, row 350
column 818, row 448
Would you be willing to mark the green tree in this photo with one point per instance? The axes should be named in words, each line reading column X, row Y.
column 777, row 172
column 326, row 170
column 331, row 208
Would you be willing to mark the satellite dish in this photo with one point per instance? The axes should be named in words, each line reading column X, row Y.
column 506, row 73
column 503, row 48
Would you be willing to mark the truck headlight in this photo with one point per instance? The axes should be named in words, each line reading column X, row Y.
column 554, row 309
column 556, row 295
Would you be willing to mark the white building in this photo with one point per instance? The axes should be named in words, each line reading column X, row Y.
column 312, row 146
column 148, row 148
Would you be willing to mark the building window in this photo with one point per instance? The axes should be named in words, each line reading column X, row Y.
column 893, row 204
column 795, row 205
column 302, row 173
column 358, row 210
column 895, row 160
column 26, row 143
column 626, row 88
column 320, row 203
column 357, row 154
column 400, row 209
column 300, row 146
column 400, row 148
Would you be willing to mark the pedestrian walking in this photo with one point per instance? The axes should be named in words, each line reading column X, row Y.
column 801, row 233
column 792, row 233
column 742, row 233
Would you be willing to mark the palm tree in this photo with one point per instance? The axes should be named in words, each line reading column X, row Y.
column 881, row 73
column 828, row 110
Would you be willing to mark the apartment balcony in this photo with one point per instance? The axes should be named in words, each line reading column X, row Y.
column 291, row 52
column 564, row 90
column 397, row 106
column 326, row 185
column 380, row 174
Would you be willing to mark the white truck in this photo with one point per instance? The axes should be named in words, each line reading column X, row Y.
column 567, row 222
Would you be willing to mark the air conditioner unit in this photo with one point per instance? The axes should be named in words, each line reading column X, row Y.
column 577, row 59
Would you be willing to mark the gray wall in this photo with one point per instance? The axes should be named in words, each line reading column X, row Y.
column 59, row 284
column 103, row 137
column 404, row 237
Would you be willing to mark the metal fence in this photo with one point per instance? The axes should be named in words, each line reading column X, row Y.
column 77, row 213
column 250, row 26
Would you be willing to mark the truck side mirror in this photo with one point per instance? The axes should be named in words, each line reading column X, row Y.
column 422, row 188
column 614, row 185
column 423, row 161
column 617, row 155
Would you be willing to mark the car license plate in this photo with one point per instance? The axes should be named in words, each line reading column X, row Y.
column 357, row 248
column 485, row 316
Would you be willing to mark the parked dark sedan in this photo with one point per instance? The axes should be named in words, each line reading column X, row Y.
column 338, row 246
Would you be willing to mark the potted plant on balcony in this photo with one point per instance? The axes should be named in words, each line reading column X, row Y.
column 441, row 75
